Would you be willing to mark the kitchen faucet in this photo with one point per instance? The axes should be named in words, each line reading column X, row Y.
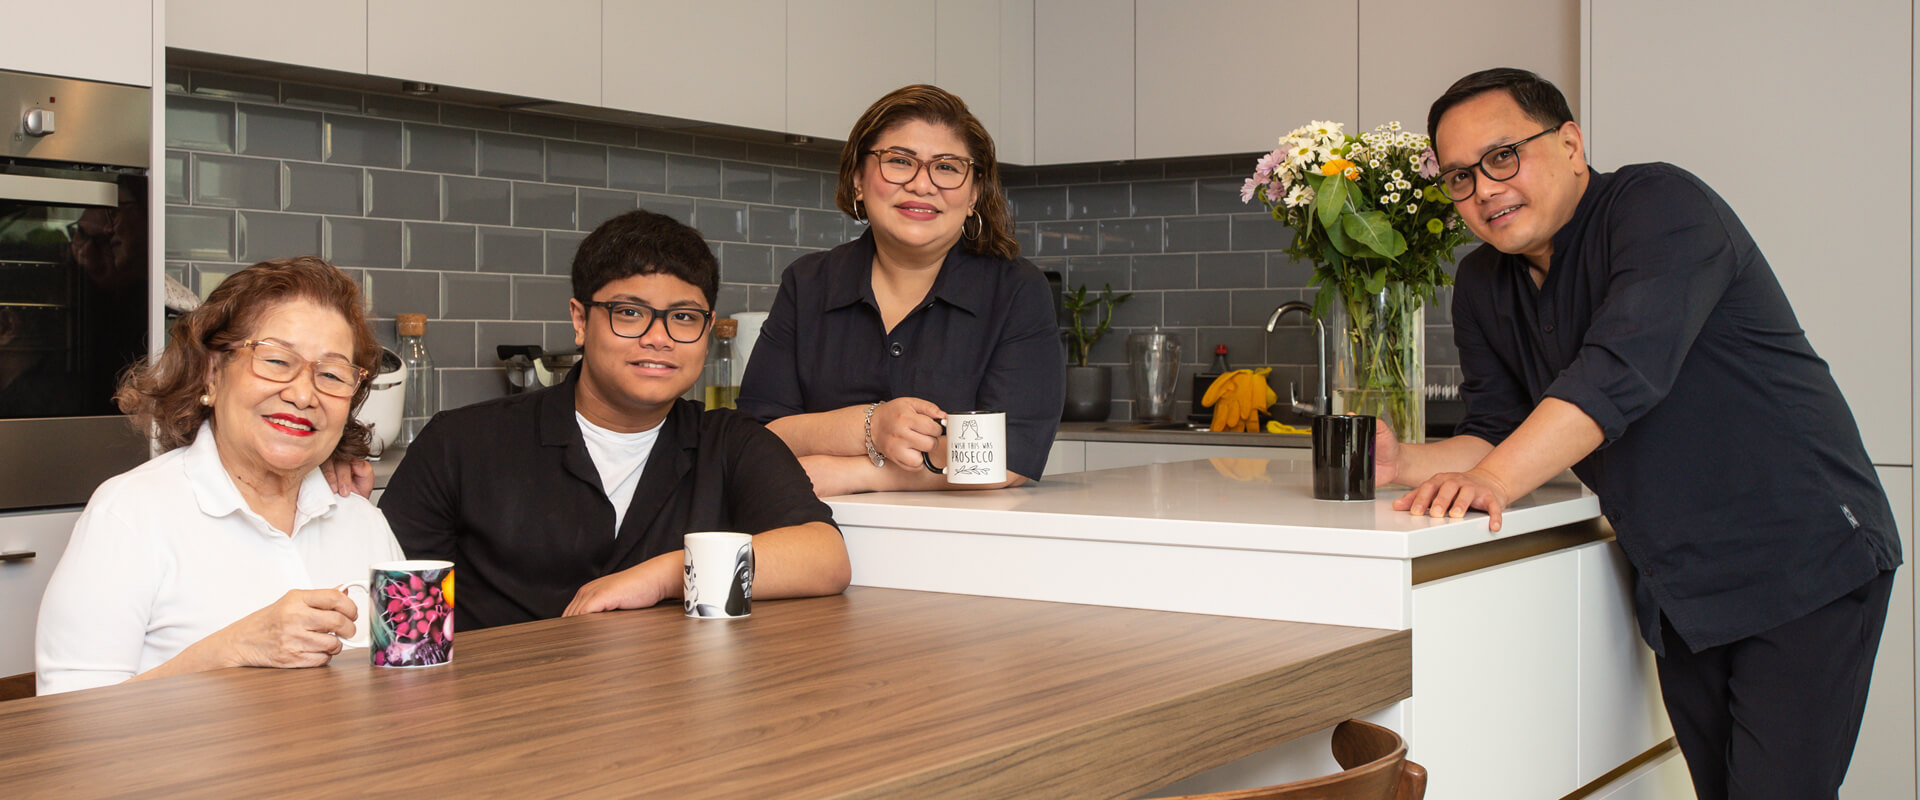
column 1322, row 403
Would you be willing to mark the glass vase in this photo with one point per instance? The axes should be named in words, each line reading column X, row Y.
column 1380, row 358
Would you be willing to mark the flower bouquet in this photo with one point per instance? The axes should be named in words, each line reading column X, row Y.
column 1367, row 210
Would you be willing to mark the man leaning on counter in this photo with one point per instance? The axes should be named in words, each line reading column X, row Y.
column 1626, row 325
column 573, row 499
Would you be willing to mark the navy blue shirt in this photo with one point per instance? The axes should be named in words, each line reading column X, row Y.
column 1733, row 472
column 984, row 338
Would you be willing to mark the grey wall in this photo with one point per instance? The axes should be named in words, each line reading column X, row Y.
column 471, row 216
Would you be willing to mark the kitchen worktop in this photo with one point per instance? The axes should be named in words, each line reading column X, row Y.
column 1153, row 433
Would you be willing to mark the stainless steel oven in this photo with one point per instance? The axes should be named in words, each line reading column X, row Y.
column 74, row 275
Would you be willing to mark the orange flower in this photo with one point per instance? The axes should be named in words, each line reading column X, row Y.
column 1338, row 166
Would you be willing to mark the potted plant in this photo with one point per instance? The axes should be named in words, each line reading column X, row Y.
column 1089, row 388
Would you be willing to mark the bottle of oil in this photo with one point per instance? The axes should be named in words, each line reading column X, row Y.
column 1203, row 380
column 722, row 384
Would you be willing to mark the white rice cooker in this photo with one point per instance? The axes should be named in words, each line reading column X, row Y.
column 385, row 405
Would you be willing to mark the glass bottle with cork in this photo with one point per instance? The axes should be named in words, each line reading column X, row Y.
column 1201, row 381
column 722, row 385
column 423, row 386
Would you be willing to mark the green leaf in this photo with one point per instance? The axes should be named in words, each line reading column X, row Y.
column 1377, row 282
column 1323, row 300
column 1331, row 200
column 1341, row 242
column 1372, row 230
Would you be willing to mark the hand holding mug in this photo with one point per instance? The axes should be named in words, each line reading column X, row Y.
column 905, row 429
column 303, row 628
column 976, row 448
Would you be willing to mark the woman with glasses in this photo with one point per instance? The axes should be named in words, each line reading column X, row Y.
column 221, row 552
column 869, row 345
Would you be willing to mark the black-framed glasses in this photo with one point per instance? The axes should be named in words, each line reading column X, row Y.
column 946, row 172
column 280, row 364
column 1500, row 164
column 633, row 320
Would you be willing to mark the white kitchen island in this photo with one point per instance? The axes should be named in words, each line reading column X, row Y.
column 1529, row 680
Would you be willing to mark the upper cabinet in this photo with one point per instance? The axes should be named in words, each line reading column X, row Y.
column 985, row 55
column 1412, row 50
column 697, row 60
column 331, row 35
column 548, row 50
column 1082, row 80
column 1197, row 93
column 101, row 40
column 844, row 54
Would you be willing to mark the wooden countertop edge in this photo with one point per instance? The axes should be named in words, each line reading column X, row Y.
column 1510, row 549
column 1272, row 708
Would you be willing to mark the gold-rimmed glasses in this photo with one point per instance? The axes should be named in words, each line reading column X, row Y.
column 278, row 363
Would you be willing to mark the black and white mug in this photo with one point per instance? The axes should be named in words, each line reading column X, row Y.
column 976, row 445
column 719, row 575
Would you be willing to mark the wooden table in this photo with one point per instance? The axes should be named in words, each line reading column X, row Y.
column 875, row 693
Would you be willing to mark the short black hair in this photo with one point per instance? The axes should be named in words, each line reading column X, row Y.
column 1537, row 97
column 644, row 243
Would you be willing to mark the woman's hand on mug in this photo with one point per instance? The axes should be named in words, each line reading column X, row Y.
column 301, row 629
column 904, row 428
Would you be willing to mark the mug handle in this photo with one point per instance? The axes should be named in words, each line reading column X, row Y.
column 927, row 458
column 363, row 628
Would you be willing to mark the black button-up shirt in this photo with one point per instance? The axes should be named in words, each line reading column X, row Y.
column 1732, row 471
column 506, row 490
column 984, row 338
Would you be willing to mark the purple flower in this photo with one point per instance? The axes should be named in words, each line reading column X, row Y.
column 1429, row 166
column 1247, row 189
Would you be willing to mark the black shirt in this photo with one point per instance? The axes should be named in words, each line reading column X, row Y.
column 1732, row 471
column 506, row 490
column 985, row 338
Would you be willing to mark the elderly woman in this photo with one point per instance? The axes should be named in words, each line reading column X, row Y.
column 220, row 552
column 869, row 345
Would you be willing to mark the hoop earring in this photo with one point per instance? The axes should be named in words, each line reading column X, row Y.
column 980, row 225
column 859, row 212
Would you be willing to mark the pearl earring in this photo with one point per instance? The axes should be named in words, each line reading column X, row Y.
column 206, row 399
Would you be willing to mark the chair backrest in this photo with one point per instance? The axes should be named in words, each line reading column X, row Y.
column 16, row 687
column 1375, row 766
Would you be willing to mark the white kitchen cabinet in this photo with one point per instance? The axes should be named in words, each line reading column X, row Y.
column 22, row 583
column 1232, row 76
column 1083, row 72
column 1619, row 690
column 844, row 54
column 1113, row 455
column 1836, row 223
column 1066, row 456
column 1412, row 50
column 101, row 40
column 985, row 56
column 548, row 50
column 330, row 35
column 697, row 61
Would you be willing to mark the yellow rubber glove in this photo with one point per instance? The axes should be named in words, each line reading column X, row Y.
column 1276, row 426
column 1223, row 397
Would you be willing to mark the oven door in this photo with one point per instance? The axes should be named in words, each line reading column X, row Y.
column 73, row 316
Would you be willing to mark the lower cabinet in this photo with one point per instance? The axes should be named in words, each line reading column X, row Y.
column 22, row 582
column 1113, row 455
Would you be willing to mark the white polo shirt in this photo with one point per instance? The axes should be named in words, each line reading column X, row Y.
column 169, row 552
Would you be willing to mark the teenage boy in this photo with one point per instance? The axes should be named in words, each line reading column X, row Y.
column 1626, row 325
column 574, row 499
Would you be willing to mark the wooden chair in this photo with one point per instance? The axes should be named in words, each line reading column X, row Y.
column 16, row 687
column 1375, row 764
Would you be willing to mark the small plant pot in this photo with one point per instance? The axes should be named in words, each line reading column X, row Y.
column 1089, row 394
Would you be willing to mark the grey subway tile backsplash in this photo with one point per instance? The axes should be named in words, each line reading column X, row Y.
column 1098, row 272
column 603, row 134
column 777, row 155
column 1130, row 236
column 746, row 263
column 796, row 187
column 354, row 242
column 1254, row 306
column 1222, row 196
column 721, row 221
column 405, row 292
column 1164, row 198
column 679, row 208
column 639, row 170
column 749, row 183
column 512, row 250
column 434, row 246
column 576, row 163
column 177, row 175
column 236, row 182
column 322, row 188
column 693, row 176
column 541, row 125
column 560, row 247
column 402, row 108
column 277, row 132
column 486, row 119
column 1200, row 307
column 1069, row 238
column 201, row 234
column 1165, row 272
column 1099, row 200
column 482, row 200
column 1196, row 234
column 719, row 148
column 600, row 205
column 200, row 124
column 768, row 225
column 1230, row 270
column 479, row 296
column 822, row 229
column 403, row 195
column 438, row 148
column 538, row 205
column 664, row 141
column 1259, row 232
column 363, row 141
column 541, row 298
column 1284, row 270
column 488, row 336
column 1035, row 203
column 451, row 344
column 264, row 236
column 324, row 98
column 505, row 155
column 461, row 387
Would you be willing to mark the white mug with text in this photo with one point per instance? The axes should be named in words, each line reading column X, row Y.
column 976, row 447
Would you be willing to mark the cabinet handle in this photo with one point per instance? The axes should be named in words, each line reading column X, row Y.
column 17, row 555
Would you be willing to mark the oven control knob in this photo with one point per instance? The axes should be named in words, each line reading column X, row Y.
column 39, row 122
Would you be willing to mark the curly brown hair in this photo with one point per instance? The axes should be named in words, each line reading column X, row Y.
column 935, row 106
column 162, row 396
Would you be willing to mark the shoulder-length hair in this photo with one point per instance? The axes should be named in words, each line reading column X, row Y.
column 163, row 395
column 936, row 106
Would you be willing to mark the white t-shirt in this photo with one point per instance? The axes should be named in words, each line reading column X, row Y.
column 168, row 552
column 620, row 458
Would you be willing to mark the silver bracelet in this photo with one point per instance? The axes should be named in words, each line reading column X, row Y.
column 873, row 453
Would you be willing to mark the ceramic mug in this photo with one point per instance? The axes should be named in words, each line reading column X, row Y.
column 1343, row 457
column 976, row 447
column 409, row 619
column 718, row 582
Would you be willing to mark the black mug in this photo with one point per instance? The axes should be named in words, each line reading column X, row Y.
column 1343, row 457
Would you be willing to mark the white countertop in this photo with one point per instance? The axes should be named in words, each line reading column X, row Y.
column 1269, row 507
